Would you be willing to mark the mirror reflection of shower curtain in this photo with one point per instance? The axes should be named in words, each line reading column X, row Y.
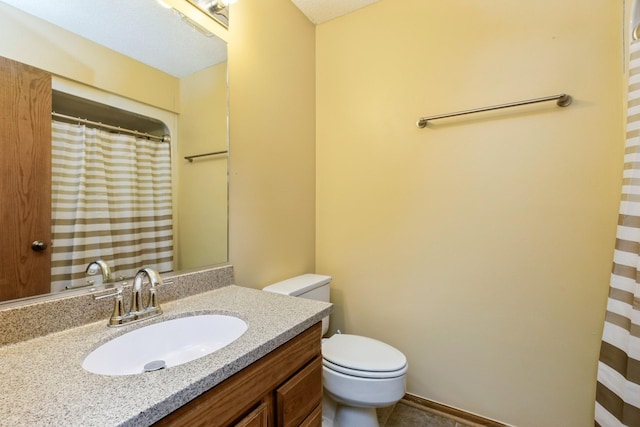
column 111, row 197
column 618, row 384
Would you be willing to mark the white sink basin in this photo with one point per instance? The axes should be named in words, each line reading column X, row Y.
column 165, row 344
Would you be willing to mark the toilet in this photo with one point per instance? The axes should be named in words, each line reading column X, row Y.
column 359, row 374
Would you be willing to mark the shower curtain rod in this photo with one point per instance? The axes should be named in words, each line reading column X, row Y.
column 164, row 138
column 564, row 100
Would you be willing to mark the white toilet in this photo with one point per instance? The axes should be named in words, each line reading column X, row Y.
column 359, row 374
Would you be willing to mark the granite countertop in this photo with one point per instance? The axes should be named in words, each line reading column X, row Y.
column 43, row 382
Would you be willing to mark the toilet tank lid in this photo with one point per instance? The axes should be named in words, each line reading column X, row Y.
column 299, row 285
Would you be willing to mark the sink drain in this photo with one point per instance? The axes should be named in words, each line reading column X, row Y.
column 155, row 365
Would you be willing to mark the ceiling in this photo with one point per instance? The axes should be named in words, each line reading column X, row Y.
column 319, row 11
column 154, row 35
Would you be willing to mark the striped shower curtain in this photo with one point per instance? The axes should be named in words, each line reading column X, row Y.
column 618, row 387
column 111, row 200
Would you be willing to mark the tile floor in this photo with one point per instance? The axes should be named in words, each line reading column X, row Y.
column 404, row 414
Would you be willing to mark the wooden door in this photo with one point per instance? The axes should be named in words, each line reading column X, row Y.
column 25, row 180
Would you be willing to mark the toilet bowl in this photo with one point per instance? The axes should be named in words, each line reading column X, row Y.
column 359, row 374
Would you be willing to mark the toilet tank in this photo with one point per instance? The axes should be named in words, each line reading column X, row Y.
column 310, row 286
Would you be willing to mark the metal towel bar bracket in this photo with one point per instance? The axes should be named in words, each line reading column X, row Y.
column 563, row 99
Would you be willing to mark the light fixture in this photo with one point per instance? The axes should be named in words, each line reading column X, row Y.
column 216, row 6
column 212, row 6
column 216, row 9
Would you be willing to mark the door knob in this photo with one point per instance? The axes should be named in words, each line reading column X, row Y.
column 38, row 246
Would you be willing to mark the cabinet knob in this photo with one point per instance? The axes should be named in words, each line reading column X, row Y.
column 38, row 246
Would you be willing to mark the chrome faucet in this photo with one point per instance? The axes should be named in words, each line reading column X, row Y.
column 105, row 271
column 136, row 294
column 136, row 311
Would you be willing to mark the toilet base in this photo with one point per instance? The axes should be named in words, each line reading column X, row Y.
column 350, row 416
column 335, row 414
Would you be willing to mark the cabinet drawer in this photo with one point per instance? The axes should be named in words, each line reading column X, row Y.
column 300, row 395
column 314, row 419
column 259, row 417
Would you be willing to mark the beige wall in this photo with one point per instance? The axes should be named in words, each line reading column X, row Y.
column 202, row 185
column 481, row 246
column 272, row 154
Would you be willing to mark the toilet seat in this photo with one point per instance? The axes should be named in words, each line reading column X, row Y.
column 362, row 357
column 364, row 374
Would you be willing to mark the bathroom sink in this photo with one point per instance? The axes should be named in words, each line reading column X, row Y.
column 165, row 344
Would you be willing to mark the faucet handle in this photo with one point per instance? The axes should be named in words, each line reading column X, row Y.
column 118, row 306
column 118, row 309
column 153, row 301
column 117, row 292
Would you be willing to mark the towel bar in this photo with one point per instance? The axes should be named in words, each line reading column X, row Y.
column 564, row 100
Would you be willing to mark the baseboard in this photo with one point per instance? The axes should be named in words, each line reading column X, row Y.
column 450, row 412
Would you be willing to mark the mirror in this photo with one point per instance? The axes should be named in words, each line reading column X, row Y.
column 171, row 68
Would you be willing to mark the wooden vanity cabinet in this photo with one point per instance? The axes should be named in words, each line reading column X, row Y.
column 282, row 389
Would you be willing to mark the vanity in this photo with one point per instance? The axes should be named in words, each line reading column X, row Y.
column 270, row 376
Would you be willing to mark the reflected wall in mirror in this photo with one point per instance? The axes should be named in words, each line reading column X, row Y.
column 191, row 103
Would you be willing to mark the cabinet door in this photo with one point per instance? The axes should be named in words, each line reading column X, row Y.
column 300, row 395
column 259, row 417
column 25, row 180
